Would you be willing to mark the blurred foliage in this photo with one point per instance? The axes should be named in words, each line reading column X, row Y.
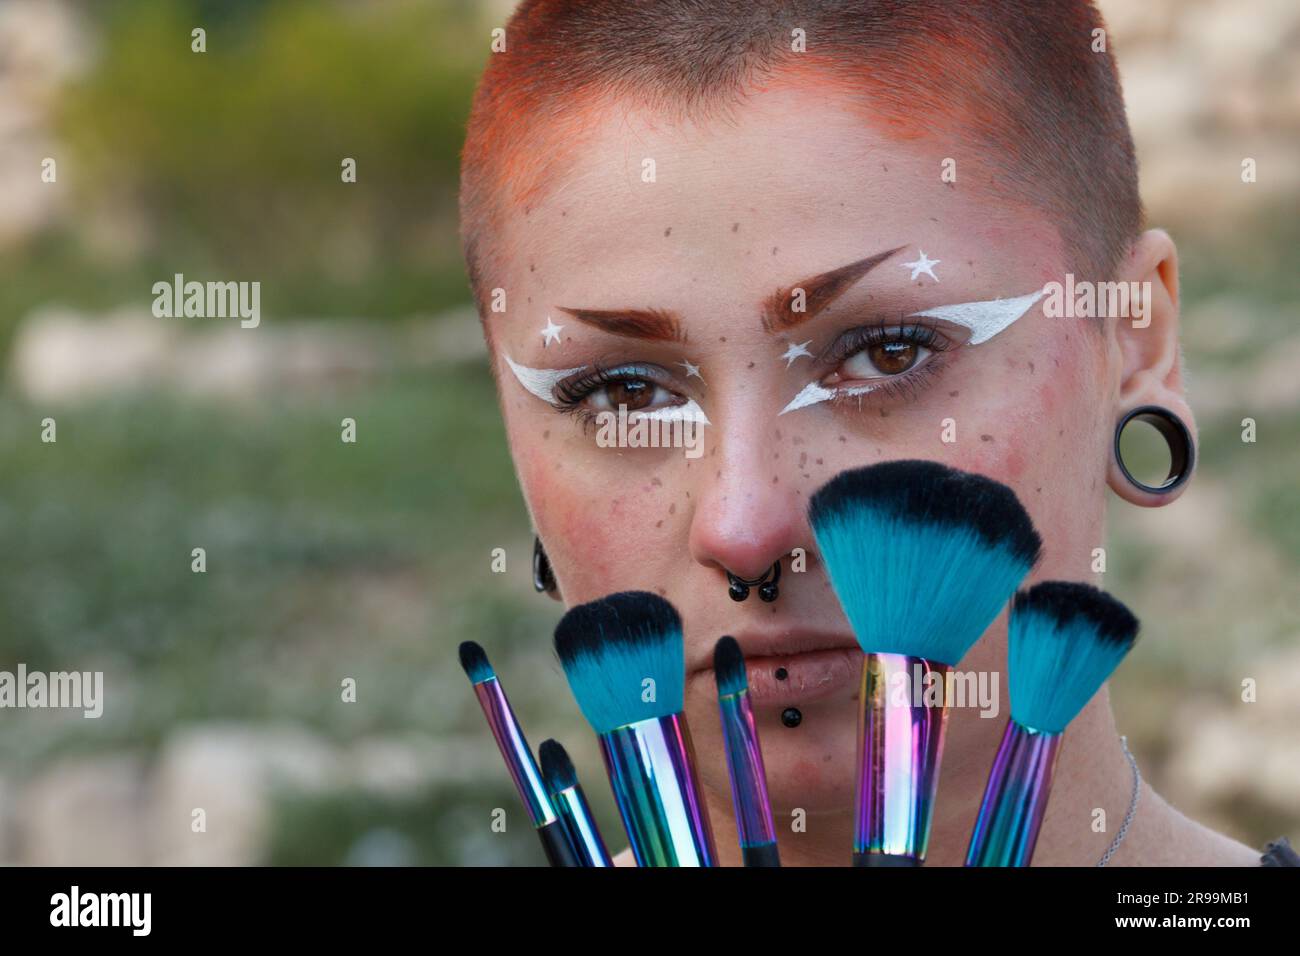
column 228, row 163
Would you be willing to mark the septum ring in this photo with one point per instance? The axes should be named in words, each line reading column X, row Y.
column 767, row 585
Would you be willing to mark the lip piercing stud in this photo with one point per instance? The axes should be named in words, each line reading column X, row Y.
column 738, row 588
column 792, row 717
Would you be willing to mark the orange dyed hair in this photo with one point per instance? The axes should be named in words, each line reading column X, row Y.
column 1018, row 78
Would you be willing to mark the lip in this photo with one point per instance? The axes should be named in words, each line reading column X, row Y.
column 817, row 665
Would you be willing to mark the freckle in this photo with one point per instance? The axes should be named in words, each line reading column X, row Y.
column 532, row 267
column 559, row 466
column 884, row 414
column 820, row 462
column 722, row 338
column 688, row 496
column 714, row 452
column 563, row 213
column 774, row 250
column 884, row 167
column 803, row 459
column 656, row 482
column 776, row 455
column 952, row 394
column 826, row 759
column 668, row 232
column 1031, row 368
column 1060, row 433
column 778, row 434
column 662, row 592
column 775, row 479
column 547, row 433
column 796, row 440
column 750, row 365
column 735, row 227
column 528, row 210
column 986, row 437
column 1039, row 490
column 719, row 474
column 1057, row 362
column 659, row 524
column 842, row 438
column 841, row 205
column 970, row 262
column 672, row 509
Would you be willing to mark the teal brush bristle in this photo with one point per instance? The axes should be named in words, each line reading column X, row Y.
column 921, row 556
column 1065, row 640
column 557, row 768
column 475, row 661
column 613, row 648
column 729, row 667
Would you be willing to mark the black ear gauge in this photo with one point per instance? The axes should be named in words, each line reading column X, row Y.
column 738, row 588
column 1182, row 451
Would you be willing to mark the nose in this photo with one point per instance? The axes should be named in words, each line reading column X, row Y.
column 749, row 514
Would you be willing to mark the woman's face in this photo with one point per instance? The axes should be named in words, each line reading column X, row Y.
column 736, row 218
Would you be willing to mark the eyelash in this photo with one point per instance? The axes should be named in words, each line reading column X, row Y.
column 571, row 393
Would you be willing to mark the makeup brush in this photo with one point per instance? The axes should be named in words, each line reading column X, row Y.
column 1064, row 641
column 519, row 759
column 922, row 558
column 571, row 805
column 624, row 659
column 744, row 757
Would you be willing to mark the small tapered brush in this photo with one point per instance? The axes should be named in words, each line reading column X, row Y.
column 744, row 757
column 923, row 558
column 625, row 663
column 517, row 755
column 1064, row 640
column 571, row 805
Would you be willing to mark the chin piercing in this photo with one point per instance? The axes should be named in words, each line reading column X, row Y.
column 792, row 717
column 738, row 588
column 781, row 673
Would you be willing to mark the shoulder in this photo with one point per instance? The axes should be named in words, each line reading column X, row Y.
column 1279, row 853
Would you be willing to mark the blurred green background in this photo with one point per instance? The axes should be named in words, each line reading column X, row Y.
column 370, row 561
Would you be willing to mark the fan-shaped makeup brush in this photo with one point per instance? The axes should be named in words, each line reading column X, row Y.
column 923, row 558
column 625, row 662
column 1064, row 640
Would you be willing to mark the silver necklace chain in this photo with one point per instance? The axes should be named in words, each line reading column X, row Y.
column 1132, row 806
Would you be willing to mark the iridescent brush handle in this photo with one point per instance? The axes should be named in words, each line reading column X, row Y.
column 900, row 745
column 748, row 781
column 651, row 770
column 1015, row 798
column 523, row 771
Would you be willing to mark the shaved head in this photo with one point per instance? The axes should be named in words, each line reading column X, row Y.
column 1027, row 86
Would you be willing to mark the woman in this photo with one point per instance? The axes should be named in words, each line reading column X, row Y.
column 737, row 216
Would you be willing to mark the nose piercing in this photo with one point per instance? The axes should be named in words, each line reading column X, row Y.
column 738, row 588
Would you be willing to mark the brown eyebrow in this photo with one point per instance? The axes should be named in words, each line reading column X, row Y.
column 657, row 324
column 819, row 292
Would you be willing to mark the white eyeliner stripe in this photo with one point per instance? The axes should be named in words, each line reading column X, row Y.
column 984, row 319
column 541, row 381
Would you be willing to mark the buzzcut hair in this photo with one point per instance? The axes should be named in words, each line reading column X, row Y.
column 1031, row 84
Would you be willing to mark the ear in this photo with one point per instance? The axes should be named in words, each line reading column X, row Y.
column 1144, row 349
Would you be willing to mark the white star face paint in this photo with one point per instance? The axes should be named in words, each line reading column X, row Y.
column 983, row 319
column 541, row 382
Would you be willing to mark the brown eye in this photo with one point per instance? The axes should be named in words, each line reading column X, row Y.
column 893, row 358
column 636, row 394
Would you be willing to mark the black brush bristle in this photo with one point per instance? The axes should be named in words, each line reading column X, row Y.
column 475, row 661
column 933, row 492
column 557, row 768
column 1067, row 601
column 729, row 667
